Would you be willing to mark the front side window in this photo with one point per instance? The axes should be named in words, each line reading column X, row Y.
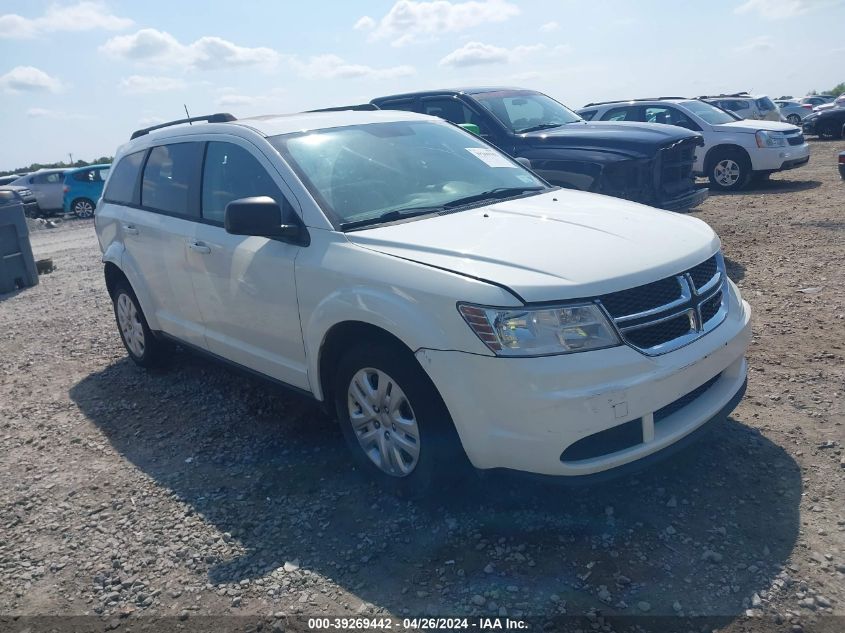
column 524, row 111
column 362, row 172
column 169, row 175
column 230, row 173
column 669, row 116
column 122, row 184
column 47, row 179
column 454, row 111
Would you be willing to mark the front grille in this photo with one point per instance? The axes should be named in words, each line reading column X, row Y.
column 684, row 400
column 796, row 140
column 664, row 315
column 642, row 298
column 676, row 165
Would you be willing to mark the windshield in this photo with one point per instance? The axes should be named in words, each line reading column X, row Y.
column 710, row 113
column 364, row 172
column 526, row 111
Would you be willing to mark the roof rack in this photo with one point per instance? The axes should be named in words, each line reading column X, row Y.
column 360, row 106
column 220, row 117
column 598, row 103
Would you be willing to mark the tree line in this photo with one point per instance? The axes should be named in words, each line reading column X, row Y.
column 61, row 164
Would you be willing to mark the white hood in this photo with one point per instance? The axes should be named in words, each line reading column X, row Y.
column 751, row 126
column 559, row 245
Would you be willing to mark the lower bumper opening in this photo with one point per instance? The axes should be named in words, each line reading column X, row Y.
column 629, row 434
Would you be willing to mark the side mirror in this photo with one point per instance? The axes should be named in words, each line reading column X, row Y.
column 263, row 217
column 524, row 162
column 471, row 127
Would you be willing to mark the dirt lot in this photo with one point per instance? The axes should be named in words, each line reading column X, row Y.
column 196, row 491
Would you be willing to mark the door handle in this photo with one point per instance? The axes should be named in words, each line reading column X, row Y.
column 130, row 229
column 199, row 247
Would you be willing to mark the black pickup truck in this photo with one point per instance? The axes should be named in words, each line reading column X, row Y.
column 644, row 162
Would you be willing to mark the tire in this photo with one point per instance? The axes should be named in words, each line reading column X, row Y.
column 794, row 119
column 429, row 453
column 140, row 343
column 82, row 208
column 729, row 170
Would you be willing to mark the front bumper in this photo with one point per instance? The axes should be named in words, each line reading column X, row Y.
column 524, row 413
column 689, row 200
column 780, row 158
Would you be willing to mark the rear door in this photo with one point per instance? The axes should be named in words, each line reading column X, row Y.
column 157, row 233
column 48, row 189
column 245, row 286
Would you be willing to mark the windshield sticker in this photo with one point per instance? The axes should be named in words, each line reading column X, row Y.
column 490, row 157
column 526, row 178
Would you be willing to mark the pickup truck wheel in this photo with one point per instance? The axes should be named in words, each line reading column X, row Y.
column 729, row 171
column 394, row 421
column 143, row 347
column 82, row 208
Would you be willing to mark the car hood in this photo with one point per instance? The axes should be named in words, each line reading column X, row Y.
column 750, row 126
column 636, row 138
column 558, row 245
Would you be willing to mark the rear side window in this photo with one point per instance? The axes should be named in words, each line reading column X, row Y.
column 619, row 114
column 588, row 115
column 170, row 175
column 230, row 173
column 122, row 184
column 47, row 179
column 764, row 104
column 83, row 176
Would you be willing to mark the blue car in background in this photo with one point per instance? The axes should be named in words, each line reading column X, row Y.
column 83, row 187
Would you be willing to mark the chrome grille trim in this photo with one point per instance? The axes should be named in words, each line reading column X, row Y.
column 689, row 303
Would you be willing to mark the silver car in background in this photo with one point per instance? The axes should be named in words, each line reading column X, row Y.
column 758, row 107
column 792, row 111
column 48, row 187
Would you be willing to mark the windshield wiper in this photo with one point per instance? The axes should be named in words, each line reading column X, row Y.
column 496, row 194
column 390, row 216
column 537, row 128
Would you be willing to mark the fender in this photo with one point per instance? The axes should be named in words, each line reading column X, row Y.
column 117, row 254
column 386, row 309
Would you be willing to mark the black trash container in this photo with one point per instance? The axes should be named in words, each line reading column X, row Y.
column 17, row 265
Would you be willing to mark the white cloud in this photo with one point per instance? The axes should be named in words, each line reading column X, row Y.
column 408, row 20
column 28, row 79
column 146, row 84
column 478, row 53
column 759, row 44
column 334, row 67
column 44, row 113
column 150, row 46
column 82, row 16
column 365, row 23
column 780, row 9
column 548, row 27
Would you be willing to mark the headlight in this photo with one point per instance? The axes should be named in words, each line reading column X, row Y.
column 770, row 139
column 540, row 331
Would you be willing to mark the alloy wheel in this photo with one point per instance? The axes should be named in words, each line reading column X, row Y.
column 794, row 119
column 83, row 209
column 384, row 422
column 726, row 172
column 130, row 324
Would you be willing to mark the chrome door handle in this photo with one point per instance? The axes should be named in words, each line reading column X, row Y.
column 199, row 247
column 130, row 229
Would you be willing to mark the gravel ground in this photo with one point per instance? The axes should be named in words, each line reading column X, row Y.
column 197, row 491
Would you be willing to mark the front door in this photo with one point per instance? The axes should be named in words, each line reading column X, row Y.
column 245, row 286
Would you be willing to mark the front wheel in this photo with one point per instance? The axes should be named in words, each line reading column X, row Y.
column 394, row 421
column 82, row 208
column 729, row 171
column 794, row 119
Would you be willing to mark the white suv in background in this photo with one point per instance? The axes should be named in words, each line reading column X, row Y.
column 734, row 150
column 440, row 299
column 758, row 107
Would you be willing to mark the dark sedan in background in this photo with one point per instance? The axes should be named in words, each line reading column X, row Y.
column 826, row 123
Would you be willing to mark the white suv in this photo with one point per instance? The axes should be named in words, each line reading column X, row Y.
column 734, row 150
column 440, row 299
